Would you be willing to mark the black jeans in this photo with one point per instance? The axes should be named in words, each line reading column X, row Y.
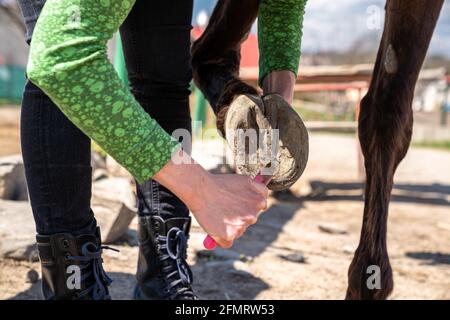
column 156, row 42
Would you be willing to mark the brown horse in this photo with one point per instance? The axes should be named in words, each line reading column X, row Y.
column 386, row 117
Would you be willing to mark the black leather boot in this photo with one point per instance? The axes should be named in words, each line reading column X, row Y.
column 72, row 267
column 162, row 272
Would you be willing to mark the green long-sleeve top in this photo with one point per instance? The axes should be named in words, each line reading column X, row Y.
column 68, row 61
column 280, row 24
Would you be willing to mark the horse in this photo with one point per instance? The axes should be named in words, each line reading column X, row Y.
column 385, row 121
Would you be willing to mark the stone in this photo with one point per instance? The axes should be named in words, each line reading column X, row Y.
column 32, row 276
column 114, row 169
column 443, row 226
column 97, row 161
column 99, row 174
column 241, row 273
column 113, row 203
column 332, row 229
column 17, row 231
column 114, row 206
column 294, row 257
column 233, row 267
column 348, row 249
column 129, row 238
column 222, row 254
column 13, row 185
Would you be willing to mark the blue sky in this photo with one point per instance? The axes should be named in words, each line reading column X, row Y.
column 336, row 24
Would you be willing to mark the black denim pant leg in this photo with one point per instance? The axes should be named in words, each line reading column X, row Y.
column 57, row 166
column 156, row 42
column 56, row 157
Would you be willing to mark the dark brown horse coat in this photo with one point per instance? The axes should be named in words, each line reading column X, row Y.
column 386, row 118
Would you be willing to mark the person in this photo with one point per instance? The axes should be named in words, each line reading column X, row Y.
column 74, row 95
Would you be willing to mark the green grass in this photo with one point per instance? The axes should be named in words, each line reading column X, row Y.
column 4, row 102
column 311, row 115
column 443, row 145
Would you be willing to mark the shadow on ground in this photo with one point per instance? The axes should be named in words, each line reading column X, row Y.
column 214, row 279
column 121, row 288
column 430, row 258
column 231, row 282
column 434, row 194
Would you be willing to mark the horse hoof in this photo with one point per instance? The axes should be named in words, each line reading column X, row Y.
column 287, row 155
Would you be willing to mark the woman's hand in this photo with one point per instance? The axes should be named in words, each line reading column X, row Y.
column 228, row 206
column 224, row 205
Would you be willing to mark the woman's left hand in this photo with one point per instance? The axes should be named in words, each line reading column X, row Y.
column 281, row 82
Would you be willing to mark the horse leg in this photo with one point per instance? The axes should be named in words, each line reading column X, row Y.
column 216, row 54
column 385, row 128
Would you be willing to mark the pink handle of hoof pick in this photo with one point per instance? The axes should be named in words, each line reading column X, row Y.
column 209, row 243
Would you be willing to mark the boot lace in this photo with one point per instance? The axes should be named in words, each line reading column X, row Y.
column 173, row 248
column 91, row 266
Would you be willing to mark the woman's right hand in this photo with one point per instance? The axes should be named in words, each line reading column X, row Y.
column 228, row 205
column 224, row 205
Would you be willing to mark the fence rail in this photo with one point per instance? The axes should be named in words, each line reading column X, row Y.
column 12, row 82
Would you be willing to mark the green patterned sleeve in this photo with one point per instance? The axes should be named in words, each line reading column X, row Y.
column 68, row 61
column 280, row 25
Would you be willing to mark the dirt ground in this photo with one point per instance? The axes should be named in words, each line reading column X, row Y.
column 329, row 193
column 9, row 130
